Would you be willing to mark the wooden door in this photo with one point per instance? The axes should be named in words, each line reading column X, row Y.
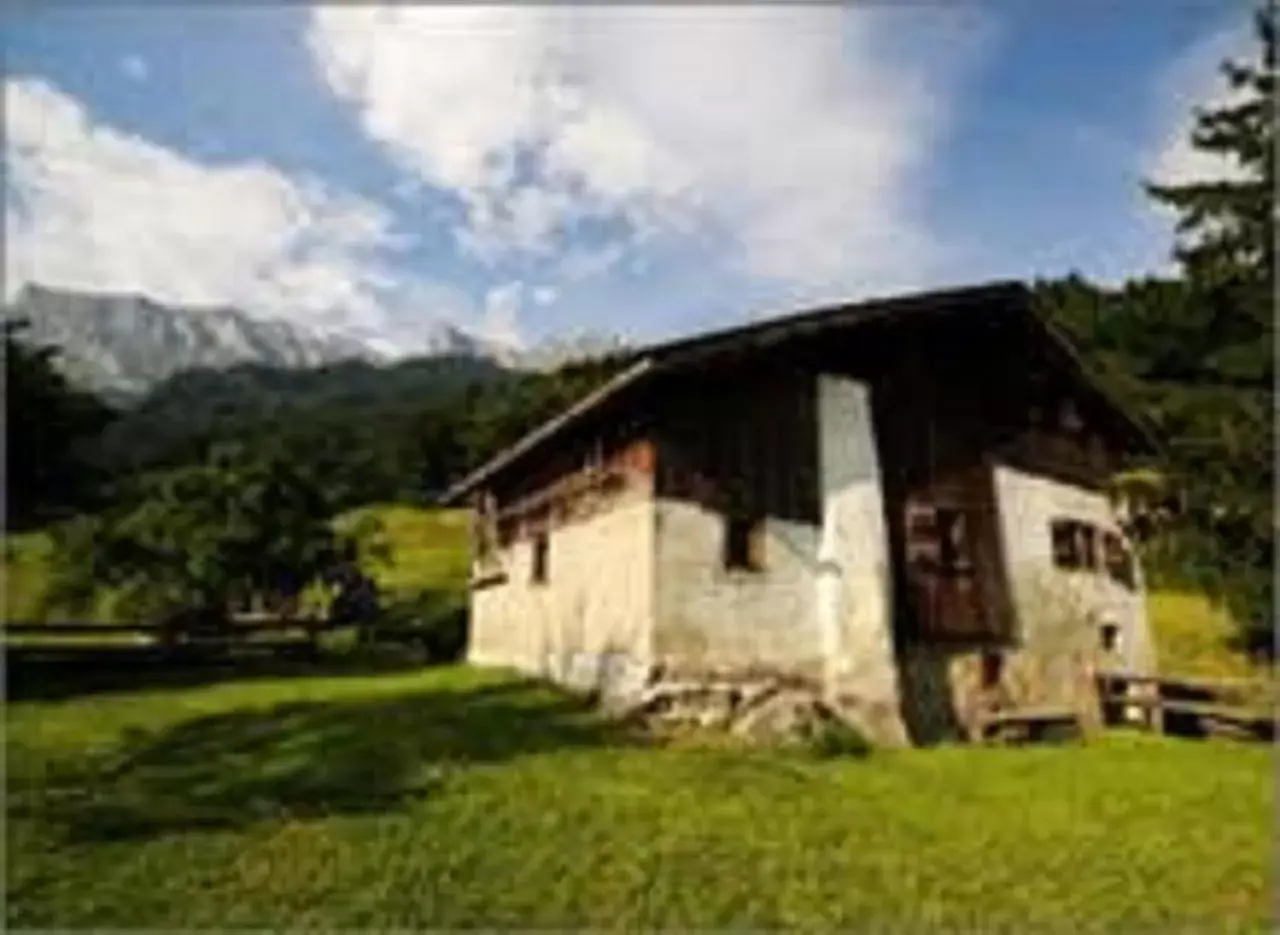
column 942, row 563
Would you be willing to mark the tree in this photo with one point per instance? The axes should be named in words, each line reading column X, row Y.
column 1194, row 354
column 1227, row 225
column 1220, row 411
column 203, row 537
column 47, row 422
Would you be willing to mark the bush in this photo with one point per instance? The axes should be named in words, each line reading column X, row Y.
column 434, row 619
column 836, row 738
column 446, row 636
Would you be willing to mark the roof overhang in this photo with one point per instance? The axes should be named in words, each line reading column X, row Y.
column 688, row 353
column 587, row 404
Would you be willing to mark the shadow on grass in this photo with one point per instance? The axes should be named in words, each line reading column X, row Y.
column 413, row 629
column 305, row 760
column 54, row 676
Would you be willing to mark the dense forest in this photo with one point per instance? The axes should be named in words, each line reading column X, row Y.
column 1193, row 354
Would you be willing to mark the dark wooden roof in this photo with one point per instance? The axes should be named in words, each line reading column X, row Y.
column 772, row 334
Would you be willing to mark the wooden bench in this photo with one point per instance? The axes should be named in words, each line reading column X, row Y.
column 1027, row 725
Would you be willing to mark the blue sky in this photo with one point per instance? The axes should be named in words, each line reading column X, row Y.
column 530, row 174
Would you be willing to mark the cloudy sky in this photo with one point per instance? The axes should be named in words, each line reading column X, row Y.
column 645, row 171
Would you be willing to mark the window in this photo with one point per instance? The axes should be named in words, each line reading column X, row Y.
column 541, row 554
column 1075, row 544
column 744, row 543
column 992, row 669
column 953, row 542
column 938, row 540
column 1119, row 561
column 1066, row 543
column 922, row 522
column 1083, row 545
column 1088, row 537
column 1109, row 637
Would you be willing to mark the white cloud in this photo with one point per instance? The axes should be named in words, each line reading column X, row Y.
column 500, row 324
column 578, row 262
column 135, row 68
column 777, row 135
column 1194, row 80
column 93, row 208
column 544, row 295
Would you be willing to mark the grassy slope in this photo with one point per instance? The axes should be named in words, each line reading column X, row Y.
column 26, row 575
column 428, row 547
column 452, row 798
column 1193, row 637
column 428, row 551
column 27, row 579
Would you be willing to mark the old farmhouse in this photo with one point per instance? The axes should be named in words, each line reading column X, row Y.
column 901, row 501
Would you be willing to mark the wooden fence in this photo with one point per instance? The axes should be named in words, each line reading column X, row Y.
column 1189, row 707
column 23, row 641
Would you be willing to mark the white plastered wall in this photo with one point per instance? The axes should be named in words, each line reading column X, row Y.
column 1053, row 604
column 854, row 604
column 590, row 623
column 710, row 618
column 820, row 606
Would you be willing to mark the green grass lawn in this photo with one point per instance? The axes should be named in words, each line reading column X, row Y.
column 451, row 798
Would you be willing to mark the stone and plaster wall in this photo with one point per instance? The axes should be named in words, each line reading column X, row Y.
column 589, row 625
column 819, row 607
column 745, row 442
column 1053, row 604
column 713, row 619
column 854, row 589
column 1058, row 614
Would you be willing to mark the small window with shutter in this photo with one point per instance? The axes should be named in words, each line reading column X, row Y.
column 744, row 542
column 954, row 549
column 1119, row 561
column 541, row 557
column 1066, row 543
column 1088, row 546
column 922, row 537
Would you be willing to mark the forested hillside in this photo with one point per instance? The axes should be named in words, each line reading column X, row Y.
column 351, row 405
column 370, row 432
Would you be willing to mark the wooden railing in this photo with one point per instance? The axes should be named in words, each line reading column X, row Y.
column 1194, row 707
column 259, row 633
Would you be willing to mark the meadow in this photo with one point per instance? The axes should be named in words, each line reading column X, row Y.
column 449, row 797
column 393, row 796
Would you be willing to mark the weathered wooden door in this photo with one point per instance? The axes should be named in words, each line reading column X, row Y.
column 942, row 563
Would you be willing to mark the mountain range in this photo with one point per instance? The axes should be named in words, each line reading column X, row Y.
column 124, row 345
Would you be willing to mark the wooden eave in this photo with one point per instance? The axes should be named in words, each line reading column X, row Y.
column 700, row 350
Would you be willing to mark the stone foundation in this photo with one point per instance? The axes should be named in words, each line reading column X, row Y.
column 757, row 708
column 949, row 695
